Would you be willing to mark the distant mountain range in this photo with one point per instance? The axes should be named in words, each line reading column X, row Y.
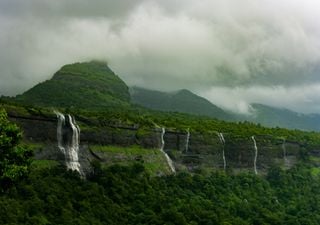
column 94, row 86
column 185, row 101
column 277, row 117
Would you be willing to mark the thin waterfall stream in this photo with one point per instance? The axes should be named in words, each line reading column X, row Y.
column 187, row 141
column 255, row 154
column 170, row 162
column 222, row 140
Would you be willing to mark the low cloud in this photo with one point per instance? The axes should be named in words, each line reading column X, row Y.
column 215, row 47
column 302, row 98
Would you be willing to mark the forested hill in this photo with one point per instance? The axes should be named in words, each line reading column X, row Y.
column 90, row 85
column 179, row 101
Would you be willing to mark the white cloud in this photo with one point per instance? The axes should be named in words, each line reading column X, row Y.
column 248, row 48
column 300, row 98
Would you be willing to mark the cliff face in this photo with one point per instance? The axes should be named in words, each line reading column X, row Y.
column 204, row 150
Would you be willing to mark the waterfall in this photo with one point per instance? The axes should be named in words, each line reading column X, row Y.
column 74, row 145
column 61, row 123
column 187, row 141
column 69, row 146
column 255, row 155
column 170, row 163
column 221, row 138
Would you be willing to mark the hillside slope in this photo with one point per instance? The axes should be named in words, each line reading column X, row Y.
column 281, row 117
column 187, row 102
column 90, row 85
column 183, row 101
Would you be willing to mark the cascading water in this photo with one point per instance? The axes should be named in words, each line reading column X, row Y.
column 170, row 163
column 187, row 141
column 69, row 146
column 61, row 123
column 220, row 135
column 255, row 155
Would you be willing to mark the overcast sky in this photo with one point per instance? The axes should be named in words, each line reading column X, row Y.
column 232, row 52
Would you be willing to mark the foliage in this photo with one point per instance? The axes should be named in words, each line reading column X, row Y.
column 128, row 195
column 14, row 159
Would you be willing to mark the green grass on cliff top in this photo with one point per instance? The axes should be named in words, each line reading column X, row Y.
column 153, row 160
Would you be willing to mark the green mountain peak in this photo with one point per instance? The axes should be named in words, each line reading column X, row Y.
column 90, row 85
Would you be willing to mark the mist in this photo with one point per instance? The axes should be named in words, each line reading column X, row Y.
column 233, row 53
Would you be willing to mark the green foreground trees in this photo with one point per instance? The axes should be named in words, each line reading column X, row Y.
column 128, row 195
column 14, row 159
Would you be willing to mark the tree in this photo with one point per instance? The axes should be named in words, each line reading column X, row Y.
column 14, row 159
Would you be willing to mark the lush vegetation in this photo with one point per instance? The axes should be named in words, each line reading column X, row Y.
column 14, row 159
column 83, row 85
column 128, row 195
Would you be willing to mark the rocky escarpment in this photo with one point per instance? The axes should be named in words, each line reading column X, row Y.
column 205, row 150
column 39, row 129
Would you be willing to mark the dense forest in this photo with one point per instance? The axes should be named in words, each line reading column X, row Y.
column 128, row 195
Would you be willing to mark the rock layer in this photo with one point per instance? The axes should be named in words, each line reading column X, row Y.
column 204, row 150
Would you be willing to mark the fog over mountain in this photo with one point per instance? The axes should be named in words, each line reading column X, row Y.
column 232, row 52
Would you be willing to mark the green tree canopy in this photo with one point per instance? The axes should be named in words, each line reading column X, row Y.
column 14, row 159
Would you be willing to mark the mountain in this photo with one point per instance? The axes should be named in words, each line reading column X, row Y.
column 187, row 102
column 89, row 85
column 94, row 86
column 183, row 101
column 277, row 117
